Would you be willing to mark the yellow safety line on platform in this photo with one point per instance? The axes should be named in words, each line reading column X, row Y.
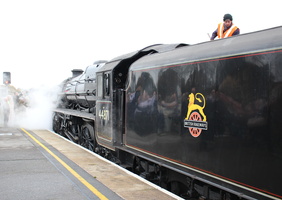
column 74, row 173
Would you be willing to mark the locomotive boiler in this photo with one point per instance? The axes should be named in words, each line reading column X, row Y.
column 200, row 120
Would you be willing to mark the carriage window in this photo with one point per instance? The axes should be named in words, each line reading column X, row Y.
column 107, row 84
column 100, row 85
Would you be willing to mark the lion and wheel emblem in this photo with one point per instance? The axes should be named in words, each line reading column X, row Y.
column 195, row 119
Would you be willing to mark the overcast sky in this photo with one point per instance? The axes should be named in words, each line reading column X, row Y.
column 42, row 41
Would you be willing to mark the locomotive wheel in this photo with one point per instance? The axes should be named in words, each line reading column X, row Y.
column 88, row 138
column 61, row 130
column 195, row 116
column 56, row 123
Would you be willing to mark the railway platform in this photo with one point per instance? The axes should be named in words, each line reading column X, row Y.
column 39, row 164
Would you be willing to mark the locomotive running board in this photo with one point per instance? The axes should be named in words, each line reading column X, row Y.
column 76, row 113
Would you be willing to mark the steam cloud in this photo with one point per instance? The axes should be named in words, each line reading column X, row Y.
column 36, row 114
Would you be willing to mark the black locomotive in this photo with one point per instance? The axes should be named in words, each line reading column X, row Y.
column 200, row 120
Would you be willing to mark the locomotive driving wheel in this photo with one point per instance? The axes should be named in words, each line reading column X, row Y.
column 195, row 116
column 56, row 123
column 87, row 137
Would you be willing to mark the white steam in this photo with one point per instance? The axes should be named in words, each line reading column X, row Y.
column 37, row 113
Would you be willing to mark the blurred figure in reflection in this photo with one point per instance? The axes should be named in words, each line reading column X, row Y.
column 168, row 99
column 258, row 123
column 143, row 105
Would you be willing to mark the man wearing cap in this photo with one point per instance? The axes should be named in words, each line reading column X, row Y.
column 226, row 28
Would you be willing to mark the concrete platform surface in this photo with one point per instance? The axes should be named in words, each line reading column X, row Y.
column 39, row 164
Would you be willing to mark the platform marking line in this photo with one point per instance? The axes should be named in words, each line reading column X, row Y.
column 73, row 172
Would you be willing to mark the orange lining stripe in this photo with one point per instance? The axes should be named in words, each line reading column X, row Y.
column 207, row 172
column 211, row 60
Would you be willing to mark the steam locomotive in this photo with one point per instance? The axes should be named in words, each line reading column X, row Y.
column 202, row 121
